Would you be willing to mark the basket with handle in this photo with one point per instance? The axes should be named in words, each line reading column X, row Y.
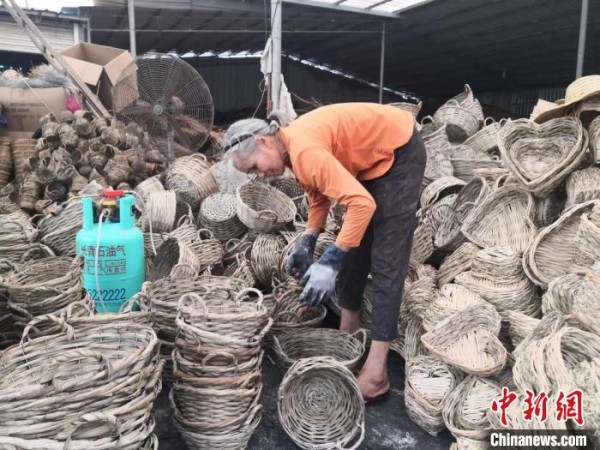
column 231, row 438
column 320, row 405
column 190, row 178
column 552, row 250
column 465, row 411
column 290, row 187
column 265, row 257
column 293, row 345
column 439, row 212
column 412, row 108
column 561, row 293
column 429, row 382
column 468, row 340
column 241, row 270
column 460, row 122
column 237, row 320
column 467, row 100
column 208, row 250
column 486, row 139
column 172, row 253
column 263, row 208
column 161, row 210
column 520, row 325
column 211, row 362
column 55, row 372
column 218, row 214
column 448, row 235
column 502, row 219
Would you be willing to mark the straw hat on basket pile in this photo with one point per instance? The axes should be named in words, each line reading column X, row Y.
column 580, row 90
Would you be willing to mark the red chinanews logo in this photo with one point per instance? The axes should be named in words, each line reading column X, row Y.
column 567, row 406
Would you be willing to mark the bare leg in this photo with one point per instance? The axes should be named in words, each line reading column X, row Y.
column 350, row 320
column 373, row 380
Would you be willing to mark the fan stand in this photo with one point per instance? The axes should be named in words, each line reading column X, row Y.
column 159, row 111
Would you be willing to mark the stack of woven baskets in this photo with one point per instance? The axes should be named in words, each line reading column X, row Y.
column 518, row 242
column 89, row 385
column 217, row 367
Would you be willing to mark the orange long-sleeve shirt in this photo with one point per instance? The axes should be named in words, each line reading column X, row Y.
column 335, row 147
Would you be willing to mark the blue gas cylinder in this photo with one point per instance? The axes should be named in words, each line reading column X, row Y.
column 115, row 248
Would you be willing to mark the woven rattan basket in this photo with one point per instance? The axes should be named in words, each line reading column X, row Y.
column 422, row 243
column 161, row 210
column 553, row 249
column 231, row 438
column 450, row 299
column 583, row 185
column 320, row 405
column 498, row 278
column 440, row 188
column 263, row 208
column 460, row 122
column 486, row 139
column 265, row 257
column 174, row 253
column 541, row 156
column 594, row 133
column 52, row 376
column 191, row 180
column 504, row 218
column 466, row 410
column 413, row 108
column 428, row 383
column 587, row 240
column 449, row 236
column 218, row 214
column 467, row 340
column 293, row 345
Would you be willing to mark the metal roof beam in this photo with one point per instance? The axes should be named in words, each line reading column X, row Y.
column 340, row 7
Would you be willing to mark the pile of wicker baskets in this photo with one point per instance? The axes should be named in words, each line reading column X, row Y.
column 217, row 367
column 87, row 385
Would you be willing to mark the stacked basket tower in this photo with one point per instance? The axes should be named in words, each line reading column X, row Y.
column 217, row 367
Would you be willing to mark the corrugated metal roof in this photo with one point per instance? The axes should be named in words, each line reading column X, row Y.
column 431, row 50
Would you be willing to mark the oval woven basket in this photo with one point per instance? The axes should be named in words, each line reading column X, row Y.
column 552, row 250
column 520, row 325
column 466, row 409
column 428, row 383
column 293, row 345
column 290, row 187
column 561, row 293
column 498, row 278
column 218, row 214
column 174, row 253
column 460, row 122
column 232, row 438
column 467, row 340
column 59, row 371
column 191, row 180
column 242, row 270
column 504, row 218
column 161, row 210
column 422, row 243
column 486, row 139
column 217, row 363
column 320, row 405
column 413, row 108
column 263, row 208
column 440, row 188
column 450, row 299
column 265, row 257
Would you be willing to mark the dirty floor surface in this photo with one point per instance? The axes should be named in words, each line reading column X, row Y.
column 388, row 427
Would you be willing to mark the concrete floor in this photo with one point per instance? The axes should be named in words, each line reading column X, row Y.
column 388, row 426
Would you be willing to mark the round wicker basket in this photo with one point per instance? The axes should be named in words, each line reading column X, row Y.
column 263, row 208
column 320, row 405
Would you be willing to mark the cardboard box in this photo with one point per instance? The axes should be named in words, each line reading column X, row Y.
column 24, row 107
column 99, row 66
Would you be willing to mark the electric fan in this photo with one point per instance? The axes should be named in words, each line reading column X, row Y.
column 168, row 99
